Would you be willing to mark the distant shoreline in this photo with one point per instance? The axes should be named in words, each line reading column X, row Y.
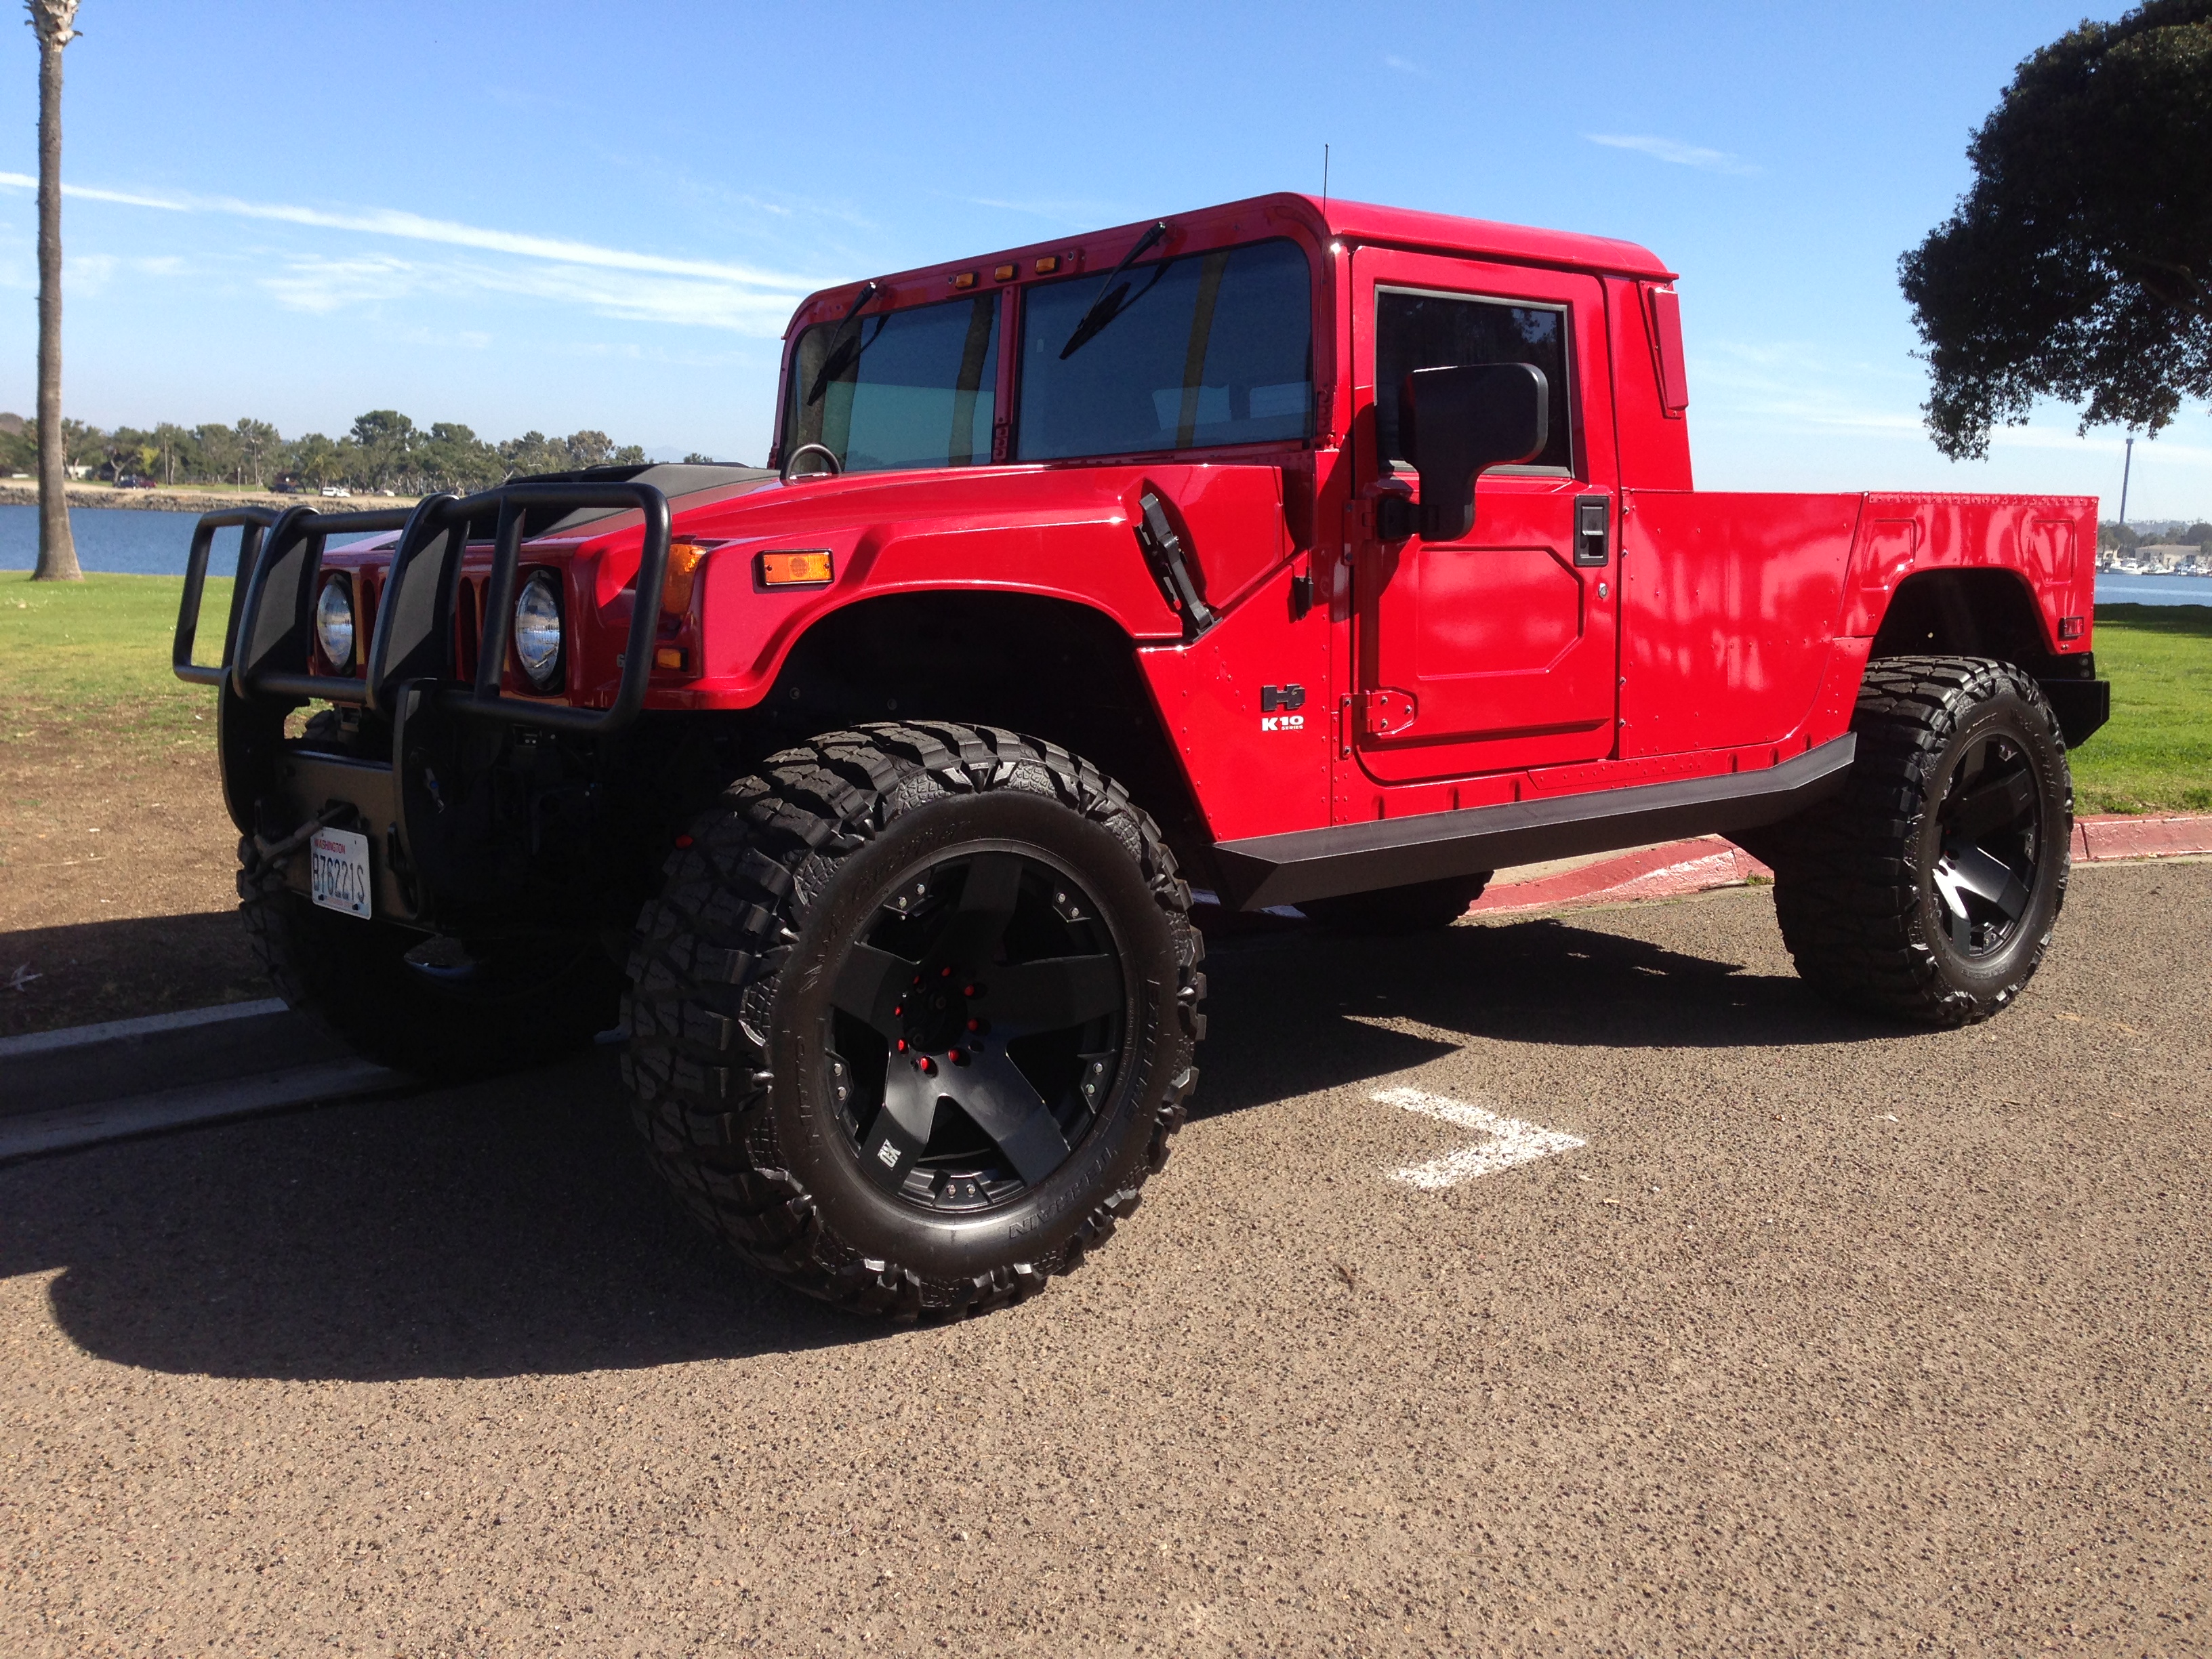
column 17, row 492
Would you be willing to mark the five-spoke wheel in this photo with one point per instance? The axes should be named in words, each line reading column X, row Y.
column 980, row 1019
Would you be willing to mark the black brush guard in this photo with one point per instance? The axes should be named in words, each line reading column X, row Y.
column 430, row 862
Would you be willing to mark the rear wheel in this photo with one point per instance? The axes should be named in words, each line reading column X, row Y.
column 1420, row 909
column 912, row 1020
column 1929, row 886
column 437, row 1008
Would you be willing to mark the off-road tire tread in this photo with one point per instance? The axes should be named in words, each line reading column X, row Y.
column 1845, row 888
column 702, row 974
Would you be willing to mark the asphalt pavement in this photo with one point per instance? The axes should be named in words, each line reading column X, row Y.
column 1654, row 1307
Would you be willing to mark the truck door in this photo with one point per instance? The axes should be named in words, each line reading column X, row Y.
column 1495, row 652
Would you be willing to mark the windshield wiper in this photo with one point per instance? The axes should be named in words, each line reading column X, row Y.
column 1106, row 307
column 846, row 351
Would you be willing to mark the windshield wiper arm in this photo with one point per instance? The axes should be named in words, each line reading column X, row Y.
column 843, row 354
column 1103, row 312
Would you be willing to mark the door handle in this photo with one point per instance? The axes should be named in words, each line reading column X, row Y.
column 1592, row 530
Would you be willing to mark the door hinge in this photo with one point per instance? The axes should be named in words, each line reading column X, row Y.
column 1384, row 713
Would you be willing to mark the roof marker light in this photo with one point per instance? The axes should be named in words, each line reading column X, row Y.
column 965, row 279
column 1047, row 265
column 1006, row 273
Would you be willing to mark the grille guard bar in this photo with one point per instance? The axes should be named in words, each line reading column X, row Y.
column 269, row 635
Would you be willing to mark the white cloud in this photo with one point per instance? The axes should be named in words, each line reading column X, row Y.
column 1404, row 66
column 614, row 282
column 1669, row 149
column 323, row 285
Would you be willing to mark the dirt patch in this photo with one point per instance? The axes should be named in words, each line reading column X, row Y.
column 117, row 865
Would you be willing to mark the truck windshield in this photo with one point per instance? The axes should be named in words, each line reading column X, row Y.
column 907, row 388
column 1206, row 350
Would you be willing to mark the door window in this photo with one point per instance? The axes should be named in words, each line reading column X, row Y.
column 1416, row 328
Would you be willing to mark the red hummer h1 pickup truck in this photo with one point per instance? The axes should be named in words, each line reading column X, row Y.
column 1329, row 556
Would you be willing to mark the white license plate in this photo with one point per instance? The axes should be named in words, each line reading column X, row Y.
column 339, row 879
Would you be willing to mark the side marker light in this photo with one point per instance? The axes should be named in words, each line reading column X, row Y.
column 811, row 568
column 669, row 656
column 2072, row 628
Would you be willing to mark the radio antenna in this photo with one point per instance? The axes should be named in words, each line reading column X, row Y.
column 1324, row 181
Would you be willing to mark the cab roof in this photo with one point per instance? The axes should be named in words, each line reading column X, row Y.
column 1350, row 223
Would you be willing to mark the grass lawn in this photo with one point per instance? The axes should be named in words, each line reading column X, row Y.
column 2156, row 755
column 94, row 657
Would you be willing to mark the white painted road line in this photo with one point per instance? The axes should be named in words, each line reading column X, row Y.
column 1508, row 1140
column 116, row 1030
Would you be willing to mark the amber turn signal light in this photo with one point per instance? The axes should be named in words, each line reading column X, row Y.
column 684, row 559
column 669, row 656
column 808, row 569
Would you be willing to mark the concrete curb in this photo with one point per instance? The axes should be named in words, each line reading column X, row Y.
column 33, row 1134
column 1708, row 862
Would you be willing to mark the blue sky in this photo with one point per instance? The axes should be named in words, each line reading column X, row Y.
column 563, row 216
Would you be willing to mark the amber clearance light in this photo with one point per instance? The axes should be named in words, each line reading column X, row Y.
column 811, row 568
column 684, row 559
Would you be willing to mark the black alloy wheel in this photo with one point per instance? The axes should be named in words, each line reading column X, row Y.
column 1929, row 886
column 1989, row 828
column 978, row 1021
column 911, row 1022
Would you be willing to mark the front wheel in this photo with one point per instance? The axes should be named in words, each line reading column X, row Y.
column 1929, row 886
column 912, row 1018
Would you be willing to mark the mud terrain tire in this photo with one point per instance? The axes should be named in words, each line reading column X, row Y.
column 543, row 1000
column 775, row 1061
column 1928, row 889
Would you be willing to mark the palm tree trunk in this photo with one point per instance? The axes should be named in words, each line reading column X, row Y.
column 56, row 547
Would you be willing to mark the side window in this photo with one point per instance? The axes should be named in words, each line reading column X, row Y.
column 1188, row 353
column 1419, row 329
column 899, row 389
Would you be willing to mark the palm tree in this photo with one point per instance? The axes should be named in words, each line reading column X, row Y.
column 52, row 20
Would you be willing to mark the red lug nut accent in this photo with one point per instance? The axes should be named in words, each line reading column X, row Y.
column 975, row 1024
column 927, row 1064
column 966, row 990
column 902, row 1045
column 956, row 1057
column 684, row 841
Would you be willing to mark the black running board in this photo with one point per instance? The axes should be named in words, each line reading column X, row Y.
column 1362, row 858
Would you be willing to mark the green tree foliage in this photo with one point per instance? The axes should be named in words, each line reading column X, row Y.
column 384, row 451
column 2080, row 264
column 2113, row 537
column 2197, row 535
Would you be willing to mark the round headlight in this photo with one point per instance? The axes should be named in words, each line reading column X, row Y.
column 334, row 622
column 538, row 630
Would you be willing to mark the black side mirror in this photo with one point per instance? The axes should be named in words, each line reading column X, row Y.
column 1456, row 423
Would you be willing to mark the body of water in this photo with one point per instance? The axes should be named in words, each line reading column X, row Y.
column 147, row 544
column 2153, row 590
column 120, row 541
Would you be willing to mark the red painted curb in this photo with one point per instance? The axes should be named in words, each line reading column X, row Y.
column 1697, row 866
column 2113, row 836
column 1680, row 866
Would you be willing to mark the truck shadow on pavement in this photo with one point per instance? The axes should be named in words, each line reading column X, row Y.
column 514, row 1229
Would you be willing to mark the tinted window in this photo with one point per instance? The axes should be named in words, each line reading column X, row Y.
column 1440, row 330
column 903, row 388
column 1205, row 349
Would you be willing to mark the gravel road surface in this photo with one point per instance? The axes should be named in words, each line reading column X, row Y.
column 1829, row 1338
